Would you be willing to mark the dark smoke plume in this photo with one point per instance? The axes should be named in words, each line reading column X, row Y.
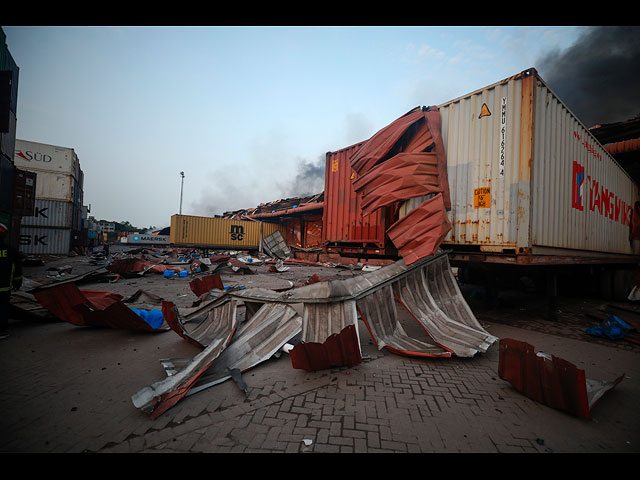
column 598, row 77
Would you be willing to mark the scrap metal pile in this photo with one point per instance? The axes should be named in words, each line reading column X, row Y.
column 325, row 317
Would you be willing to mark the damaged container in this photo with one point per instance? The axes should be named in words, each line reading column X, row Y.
column 528, row 183
column 217, row 232
column 346, row 229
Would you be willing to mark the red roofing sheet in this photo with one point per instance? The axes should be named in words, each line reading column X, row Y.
column 202, row 285
column 340, row 349
column 420, row 232
column 548, row 379
column 90, row 307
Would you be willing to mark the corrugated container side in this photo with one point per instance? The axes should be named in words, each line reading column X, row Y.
column 44, row 241
column 489, row 200
column 218, row 232
column 511, row 149
column 54, row 186
column 41, row 156
column 344, row 223
column 582, row 199
column 51, row 214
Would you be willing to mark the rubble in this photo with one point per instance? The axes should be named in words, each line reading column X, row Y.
column 315, row 321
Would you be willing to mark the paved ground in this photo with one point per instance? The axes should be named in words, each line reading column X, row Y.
column 68, row 389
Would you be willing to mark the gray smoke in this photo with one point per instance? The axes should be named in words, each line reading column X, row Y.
column 309, row 179
column 597, row 77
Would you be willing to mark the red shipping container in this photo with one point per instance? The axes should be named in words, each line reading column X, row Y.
column 345, row 228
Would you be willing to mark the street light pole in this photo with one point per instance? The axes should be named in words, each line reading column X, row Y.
column 181, row 185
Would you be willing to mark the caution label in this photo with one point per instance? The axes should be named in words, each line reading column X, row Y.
column 482, row 197
column 334, row 165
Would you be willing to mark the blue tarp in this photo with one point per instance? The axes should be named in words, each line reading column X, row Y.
column 612, row 328
column 152, row 317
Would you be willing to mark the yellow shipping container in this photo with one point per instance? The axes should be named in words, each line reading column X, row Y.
column 192, row 231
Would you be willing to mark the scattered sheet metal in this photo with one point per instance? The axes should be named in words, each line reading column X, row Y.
column 97, row 274
column 276, row 246
column 255, row 341
column 279, row 267
column 201, row 326
column 162, row 395
column 202, row 285
column 550, row 380
column 240, row 267
column 433, row 298
column 327, row 329
column 329, row 336
column 378, row 312
column 92, row 308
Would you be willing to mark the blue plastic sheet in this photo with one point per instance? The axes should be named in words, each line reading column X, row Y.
column 152, row 317
column 612, row 328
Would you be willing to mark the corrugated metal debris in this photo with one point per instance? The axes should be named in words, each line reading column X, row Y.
column 403, row 161
column 550, row 380
column 97, row 308
column 162, row 395
column 322, row 317
column 331, row 306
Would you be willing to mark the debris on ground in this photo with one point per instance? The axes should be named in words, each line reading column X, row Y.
column 550, row 380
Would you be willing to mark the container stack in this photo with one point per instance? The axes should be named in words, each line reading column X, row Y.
column 56, row 226
column 8, row 107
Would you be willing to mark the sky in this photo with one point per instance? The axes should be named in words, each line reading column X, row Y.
column 248, row 113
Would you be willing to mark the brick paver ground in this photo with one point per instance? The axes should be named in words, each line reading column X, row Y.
column 68, row 389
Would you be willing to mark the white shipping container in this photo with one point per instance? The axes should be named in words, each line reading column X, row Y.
column 41, row 156
column 50, row 213
column 45, row 241
column 54, row 186
column 527, row 177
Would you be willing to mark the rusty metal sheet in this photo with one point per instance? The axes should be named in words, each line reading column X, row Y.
column 405, row 176
column 202, row 285
column 157, row 398
column 550, row 380
column 419, row 233
column 336, row 351
column 92, row 308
